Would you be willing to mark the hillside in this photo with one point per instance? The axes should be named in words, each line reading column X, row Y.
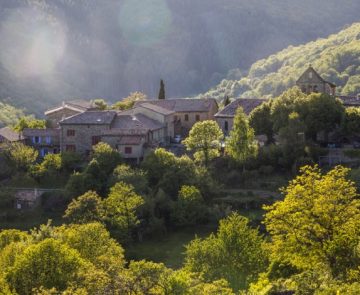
column 53, row 50
column 336, row 58
column 9, row 114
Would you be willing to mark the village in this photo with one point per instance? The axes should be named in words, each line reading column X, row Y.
column 78, row 125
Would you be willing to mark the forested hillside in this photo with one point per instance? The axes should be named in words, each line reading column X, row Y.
column 53, row 50
column 336, row 58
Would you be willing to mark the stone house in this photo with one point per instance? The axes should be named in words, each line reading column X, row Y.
column 184, row 113
column 130, row 132
column 7, row 135
column 225, row 117
column 80, row 132
column 45, row 141
column 310, row 81
column 66, row 110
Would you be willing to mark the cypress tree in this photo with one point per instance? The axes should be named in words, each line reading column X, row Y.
column 162, row 90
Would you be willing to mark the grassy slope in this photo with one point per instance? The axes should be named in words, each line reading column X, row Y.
column 337, row 59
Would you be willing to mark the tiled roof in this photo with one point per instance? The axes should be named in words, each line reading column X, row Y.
column 248, row 104
column 138, row 121
column 90, row 118
column 130, row 140
column 182, row 104
column 27, row 132
column 156, row 108
column 78, row 105
column 10, row 134
column 350, row 100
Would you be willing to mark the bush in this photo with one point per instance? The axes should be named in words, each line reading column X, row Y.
column 352, row 154
column 266, row 170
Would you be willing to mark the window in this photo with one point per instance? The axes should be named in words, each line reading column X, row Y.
column 128, row 150
column 226, row 126
column 36, row 139
column 197, row 117
column 70, row 148
column 95, row 140
column 310, row 75
column 186, row 117
column 70, row 132
column 315, row 89
column 48, row 139
column 175, row 118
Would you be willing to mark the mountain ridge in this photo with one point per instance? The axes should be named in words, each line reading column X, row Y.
column 336, row 58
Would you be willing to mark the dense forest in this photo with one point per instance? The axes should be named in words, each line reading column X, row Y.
column 55, row 50
column 336, row 58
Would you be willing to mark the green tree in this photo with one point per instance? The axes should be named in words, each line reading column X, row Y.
column 241, row 144
column 351, row 124
column 204, row 139
column 21, row 156
column 161, row 90
column 226, row 100
column 100, row 104
column 316, row 226
column 234, row 253
column 70, row 161
column 29, row 122
column 107, row 157
column 50, row 166
column 136, row 177
column 128, row 102
column 86, row 208
column 121, row 205
column 46, row 264
column 320, row 113
column 189, row 209
column 260, row 120
column 94, row 244
column 283, row 106
column 292, row 139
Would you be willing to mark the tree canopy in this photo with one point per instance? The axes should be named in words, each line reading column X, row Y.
column 204, row 140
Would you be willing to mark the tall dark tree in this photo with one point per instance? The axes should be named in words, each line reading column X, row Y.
column 226, row 100
column 162, row 90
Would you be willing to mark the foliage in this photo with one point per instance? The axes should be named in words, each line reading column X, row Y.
column 21, row 156
column 189, row 209
column 335, row 58
column 260, row 120
column 136, row 177
column 121, row 205
column 169, row 172
column 235, row 253
column 161, row 90
column 107, row 157
column 29, row 122
column 351, row 123
column 86, row 208
column 241, row 145
column 70, row 161
column 9, row 115
column 204, row 140
column 320, row 113
column 128, row 102
column 50, row 166
column 316, row 226
column 48, row 264
column 100, row 104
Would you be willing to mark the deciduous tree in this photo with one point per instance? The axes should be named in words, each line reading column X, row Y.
column 234, row 253
column 241, row 144
column 204, row 140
